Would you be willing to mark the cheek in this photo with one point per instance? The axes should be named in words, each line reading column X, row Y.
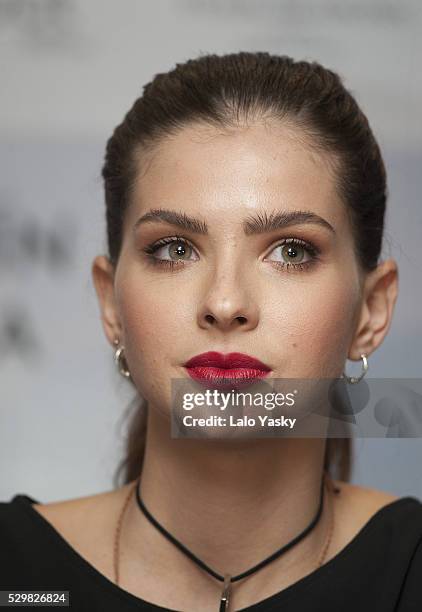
column 315, row 325
column 327, row 332
column 151, row 328
column 155, row 337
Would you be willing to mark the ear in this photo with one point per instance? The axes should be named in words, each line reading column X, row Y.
column 103, row 278
column 379, row 297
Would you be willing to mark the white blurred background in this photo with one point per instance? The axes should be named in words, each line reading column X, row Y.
column 70, row 70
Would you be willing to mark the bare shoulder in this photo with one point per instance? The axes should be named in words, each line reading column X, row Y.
column 103, row 503
column 356, row 505
column 87, row 523
column 366, row 497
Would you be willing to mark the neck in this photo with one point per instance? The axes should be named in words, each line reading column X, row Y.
column 232, row 503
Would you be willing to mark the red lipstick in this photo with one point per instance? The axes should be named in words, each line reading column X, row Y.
column 230, row 370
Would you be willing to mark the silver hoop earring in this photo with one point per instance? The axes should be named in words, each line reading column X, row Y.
column 355, row 379
column 118, row 360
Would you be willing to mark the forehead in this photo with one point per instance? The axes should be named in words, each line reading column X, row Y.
column 266, row 166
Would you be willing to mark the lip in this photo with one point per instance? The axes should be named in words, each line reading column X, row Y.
column 226, row 370
column 213, row 359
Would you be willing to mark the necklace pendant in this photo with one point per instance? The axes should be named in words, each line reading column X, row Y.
column 225, row 595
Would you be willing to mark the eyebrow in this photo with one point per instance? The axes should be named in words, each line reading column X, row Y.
column 259, row 224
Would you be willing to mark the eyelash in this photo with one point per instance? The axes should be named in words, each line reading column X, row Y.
column 170, row 264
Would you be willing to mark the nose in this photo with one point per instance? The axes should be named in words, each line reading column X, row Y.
column 228, row 305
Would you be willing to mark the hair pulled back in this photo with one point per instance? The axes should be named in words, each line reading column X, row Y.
column 226, row 92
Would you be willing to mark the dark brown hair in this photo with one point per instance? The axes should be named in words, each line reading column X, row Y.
column 225, row 92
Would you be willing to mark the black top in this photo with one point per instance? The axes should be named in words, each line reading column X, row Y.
column 379, row 570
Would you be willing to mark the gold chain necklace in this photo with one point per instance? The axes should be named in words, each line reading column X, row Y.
column 331, row 488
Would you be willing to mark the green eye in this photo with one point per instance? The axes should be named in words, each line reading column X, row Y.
column 179, row 249
column 292, row 250
column 292, row 253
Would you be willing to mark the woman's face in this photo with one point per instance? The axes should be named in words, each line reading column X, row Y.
column 232, row 289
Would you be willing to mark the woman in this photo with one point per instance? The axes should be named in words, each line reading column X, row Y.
column 245, row 200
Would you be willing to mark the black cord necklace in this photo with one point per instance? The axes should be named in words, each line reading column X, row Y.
column 227, row 579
